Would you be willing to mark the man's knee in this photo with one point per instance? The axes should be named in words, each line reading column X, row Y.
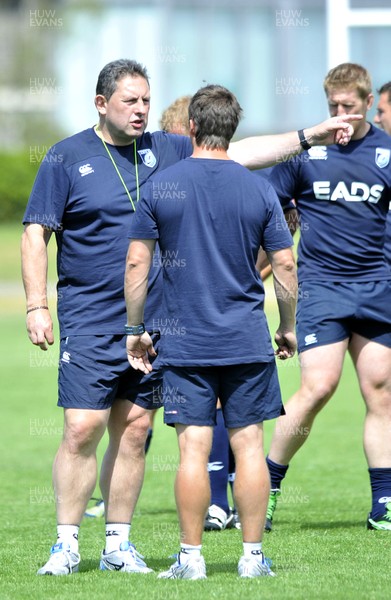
column 138, row 427
column 378, row 401
column 195, row 442
column 83, row 429
column 313, row 397
column 130, row 427
column 247, row 441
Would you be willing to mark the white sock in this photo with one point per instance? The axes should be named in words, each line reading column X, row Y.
column 252, row 549
column 68, row 534
column 116, row 533
column 188, row 551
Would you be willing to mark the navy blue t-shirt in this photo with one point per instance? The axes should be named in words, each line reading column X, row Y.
column 342, row 194
column 78, row 194
column 211, row 216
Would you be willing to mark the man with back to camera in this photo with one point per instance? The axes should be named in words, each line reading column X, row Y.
column 221, row 464
column 86, row 191
column 219, row 217
column 342, row 197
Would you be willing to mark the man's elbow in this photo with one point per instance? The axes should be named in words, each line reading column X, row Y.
column 289, row 264
column 133, row 265
column 284, row 260
column 137, row 266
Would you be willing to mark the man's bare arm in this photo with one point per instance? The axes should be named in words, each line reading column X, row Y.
column 262, row 264
column 138, row 263
column 285, row 287
column 264, row 151
column 34, row 273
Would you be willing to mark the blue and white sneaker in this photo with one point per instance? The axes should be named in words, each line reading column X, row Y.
column 255, row 566
column 194, row 568
column 61, row 562
column 125, row 559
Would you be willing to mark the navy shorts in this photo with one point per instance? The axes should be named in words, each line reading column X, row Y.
column 248, row 394
column 94, row 371
column 329, row 312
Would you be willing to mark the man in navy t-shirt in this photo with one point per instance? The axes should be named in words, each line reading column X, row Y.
column 342, row 197
column 211, row 216
column 86, row 192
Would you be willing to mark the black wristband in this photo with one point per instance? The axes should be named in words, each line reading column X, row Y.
column 36, row 308
column 135, row 329
column 303, row 142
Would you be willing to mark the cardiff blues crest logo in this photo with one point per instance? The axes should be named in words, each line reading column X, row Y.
column 148, row 157
column 382, row 157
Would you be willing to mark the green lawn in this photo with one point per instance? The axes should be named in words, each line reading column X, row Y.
column 319, row 547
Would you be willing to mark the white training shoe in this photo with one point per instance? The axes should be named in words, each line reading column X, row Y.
column 61, row 562
column 217, row 519
column 125, row 559
column 194, row 568
column 255, row 566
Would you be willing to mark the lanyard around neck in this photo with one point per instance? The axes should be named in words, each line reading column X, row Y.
column 98, row 133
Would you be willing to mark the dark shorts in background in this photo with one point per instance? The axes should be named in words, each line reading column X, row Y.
column 248, row 394
column 94, row 371
column 329, row 312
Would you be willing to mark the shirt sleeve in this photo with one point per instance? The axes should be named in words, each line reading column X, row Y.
column 144, row 226
column 283, row 177
column 49, row 194
column 276, row 235
column 181, row 143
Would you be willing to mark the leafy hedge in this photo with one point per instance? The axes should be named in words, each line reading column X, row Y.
column 17, row 174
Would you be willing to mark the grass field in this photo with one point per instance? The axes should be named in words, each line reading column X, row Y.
column 319, row 547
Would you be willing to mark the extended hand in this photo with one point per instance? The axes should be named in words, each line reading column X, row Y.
column 335, row 130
